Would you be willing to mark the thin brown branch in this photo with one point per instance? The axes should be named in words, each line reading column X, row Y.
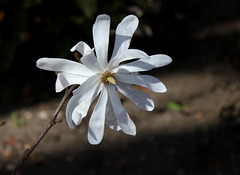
column 52, row 122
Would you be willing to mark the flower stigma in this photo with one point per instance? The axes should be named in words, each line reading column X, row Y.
column 107, row 78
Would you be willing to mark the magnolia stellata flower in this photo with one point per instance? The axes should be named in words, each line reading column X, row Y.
column 98, row 76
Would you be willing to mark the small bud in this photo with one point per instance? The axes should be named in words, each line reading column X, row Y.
column 58, row 120
column 77, row 56
column 2, row 123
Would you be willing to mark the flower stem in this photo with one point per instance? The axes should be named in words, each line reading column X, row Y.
column 52, row 122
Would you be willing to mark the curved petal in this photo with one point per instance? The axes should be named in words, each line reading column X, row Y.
column 124, row 121
column 110, row 118
column 101, row 29
column 72, row 103
column 81, row 110
column 155, row 61
column 81, row 47
column 80, row 94
column 142, row 100
column 124, row 33
column 64, row 80
column 63, row 65
column 152, row 83
column 88, row 85
column 97, row 120
column 128, row 54
column 91, row 62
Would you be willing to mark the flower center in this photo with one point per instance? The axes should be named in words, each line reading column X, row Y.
column 107, row 78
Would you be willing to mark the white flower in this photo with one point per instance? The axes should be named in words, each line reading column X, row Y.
column 96, row 75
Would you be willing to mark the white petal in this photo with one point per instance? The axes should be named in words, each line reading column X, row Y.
column 91, row 62
column 155, row 61
column 128, row 54
column 72, row 103
column 97, row 120
column 81, row 110
column 142, row 100
column 80, row 94
column 111, row 119
column 124, row 33
column 152, row 83
column 101, row 29
column 124, row 121
column 88, row 85
column 64, row 80
column 81, row 47
column 63, row 65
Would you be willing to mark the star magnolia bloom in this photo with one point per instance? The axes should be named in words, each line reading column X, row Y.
column 96, row 75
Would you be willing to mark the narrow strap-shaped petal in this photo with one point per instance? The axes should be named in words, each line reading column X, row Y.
column 64, row 80
column 142, row 100
column 101, row 29
column 155, row 61
column 81, row 110
column 91, row 82
column 80, row 94
column 91, row 62
column 124, row 33
column 72, row 103
column 63, row 65
column 124, row 121
column 97, row 120
column 128, row 54
column 111, row 119
column 81, row 47
column 152, row 83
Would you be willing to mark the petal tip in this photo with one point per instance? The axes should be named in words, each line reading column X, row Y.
column 73, row 49
column 168, row 59
column 71, row 126
column 103, row 16
column 150, row 108
column 40, row 62
column 92, row 139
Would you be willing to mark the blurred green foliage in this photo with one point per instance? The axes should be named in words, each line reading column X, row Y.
column 175, row 106
column 17, row 121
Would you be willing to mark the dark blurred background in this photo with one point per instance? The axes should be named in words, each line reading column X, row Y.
column 198, row 34
column 194, row 33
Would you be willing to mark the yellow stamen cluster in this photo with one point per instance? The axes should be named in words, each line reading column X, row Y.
column 108, row 78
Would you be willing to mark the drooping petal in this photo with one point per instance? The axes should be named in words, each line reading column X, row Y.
column 81, row 47
column 124, row 33
column 80, row 94
column 97, row 120
column 110, row 118
column 124, row 121
column 101, row 29
column 155, row 61
column 128, row 54
column 63, row 65
column 81, row 110
column 91, row 62
column 142, row 100
column 152, row 83
column 72, row 103
column 64, row 80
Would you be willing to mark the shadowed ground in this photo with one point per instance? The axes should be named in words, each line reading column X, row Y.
column 202, row 138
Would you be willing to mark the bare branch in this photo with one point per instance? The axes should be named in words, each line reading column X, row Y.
column 52, row 122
